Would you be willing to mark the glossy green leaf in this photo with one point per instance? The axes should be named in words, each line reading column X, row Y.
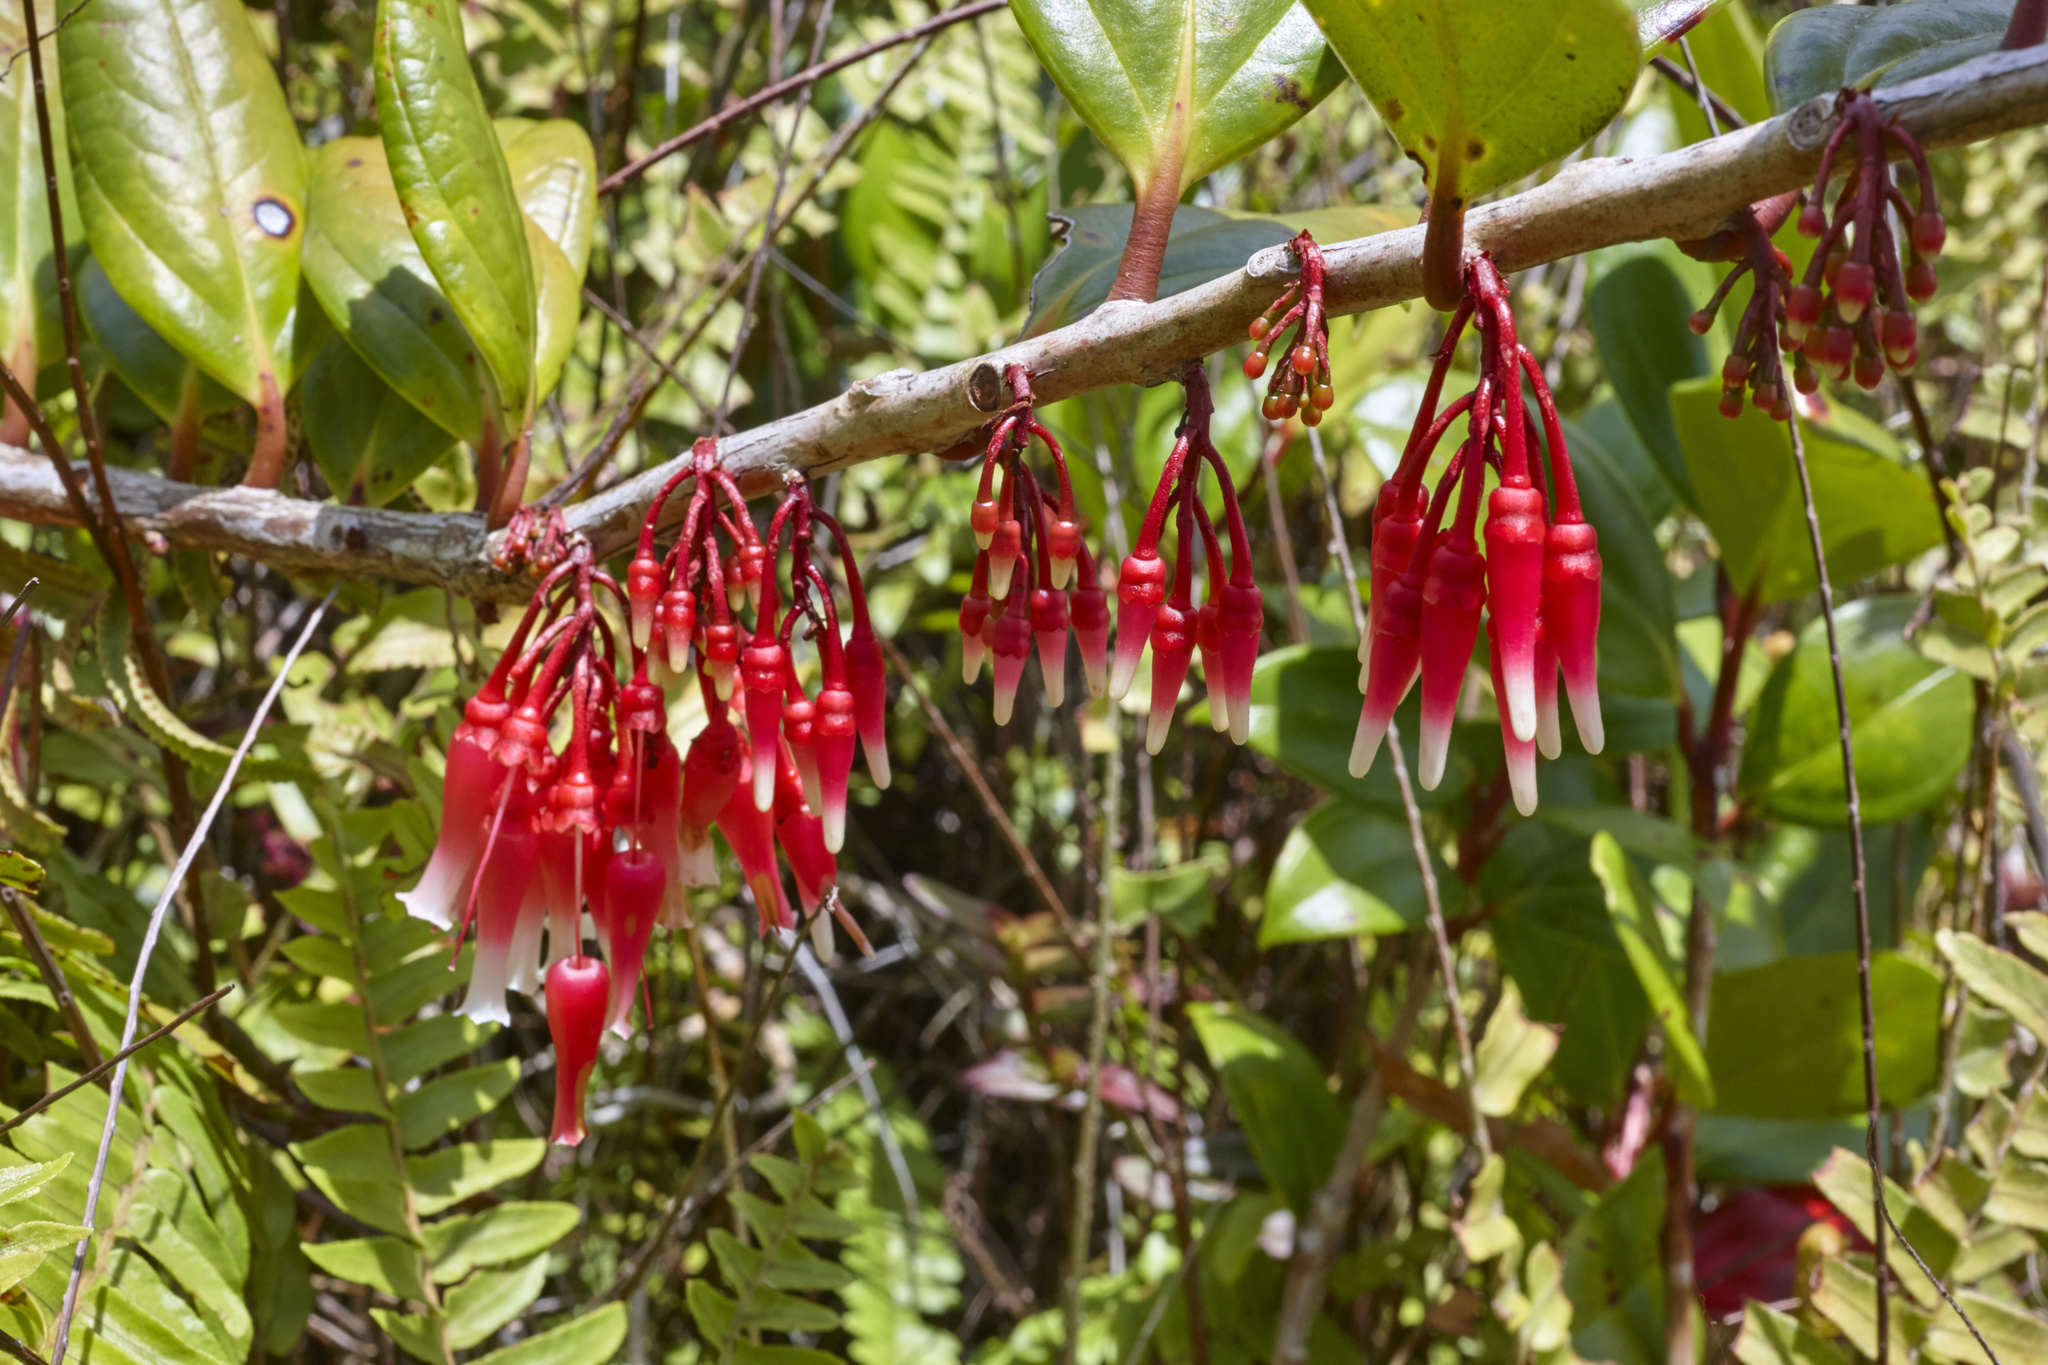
column 1786, row 1039
column 1291, row 1119
column 451, row 175
column 1614, row 1269
column 1559, row 944
column 560, row 296
column 30, row 331
column 1874, row 512
column 489, row 1299
column 1663, row 21
column 447, row 1102
column 496, row 1236
column 1824, row 49
column 1638, row 313
column 1304, row 711
column 2000, row 978
column 1634, row 912
column 1346, row 870
column 452, row 1174
column 22, row 1182
column 191, row 180
column 554, row 178
column 1206, row 244
column 378, row 291
column 383, row 1263
column 1493, row 91
column 591, row 1339
column 1181, row 88
column 1909, row 720
column 369, row 442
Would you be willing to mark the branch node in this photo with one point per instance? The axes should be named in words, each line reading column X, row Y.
column 1807, row 127
column 986, row 389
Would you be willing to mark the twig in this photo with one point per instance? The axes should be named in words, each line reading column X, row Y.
column 1937, row 464
column 179, row 1020
column 2026, row 782
column 771, row 93
column 964, row 759
column 53, row 975
column 2032, row 468
column 1871, row 1100
column 1711, row 104
column 1593, row 203
column 148, row 950
column 19, row 649
column 22, row 1352
column 1080, row 1222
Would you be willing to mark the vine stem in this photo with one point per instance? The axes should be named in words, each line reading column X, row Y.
column 148, row 950
column 1859, row 891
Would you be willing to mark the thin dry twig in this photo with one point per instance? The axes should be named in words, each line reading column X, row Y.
column 149, row 941
column 53, row 974
column 177, row 1021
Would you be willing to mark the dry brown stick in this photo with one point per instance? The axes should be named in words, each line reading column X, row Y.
column 53, row 975
column 1593, row 203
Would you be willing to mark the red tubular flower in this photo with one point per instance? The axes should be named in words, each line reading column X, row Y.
column 1173, row 635
column 974, row 621
column 835, row 740
column 763, row 667
column 1453, row 594
column 1549, row 739
column 1209, row 645
column 634, row 887
column 1571, row 610
column 750, row 833
column 1301, row 385
column 1394, row 658
column 498, row 900
column 577, row 990
column 1089, row 611
column 1521, row 753
column 1049, row 630
column 801, row 836
column 1140, row 592
column 1010, row 648
column 470, row 790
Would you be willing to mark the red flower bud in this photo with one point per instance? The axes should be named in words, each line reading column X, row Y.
column 1089, row 611
column 867, row 677
column 1521, row 753
column 1514, row 590
column 1011, row 646
column 1140, row 591
column 578, row 989
column 763, row 667
column 1173, row 649
column 470, row 791
column 835, row 730
column 1049, row 630
column 1571, row 619
column 634, row 887
column 1453, row 593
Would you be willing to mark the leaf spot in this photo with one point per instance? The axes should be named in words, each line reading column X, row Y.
column 1394, row 111
column 1288, row 91
column 274, row 218
column 1474, row 149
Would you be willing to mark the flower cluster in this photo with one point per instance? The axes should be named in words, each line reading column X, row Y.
column 1539, row 579
column 1030, row 549
column 1852, row 314
column 1302, row 384
column 1753, row 361
column 1155, row 601
column 612, row 820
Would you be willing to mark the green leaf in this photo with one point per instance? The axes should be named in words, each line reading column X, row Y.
column 452, row 178
column 1511, row 1055
column 382, row 1263
column 1638, row 641
column 554, row 178
column 1769, row 1337
column 1819, row 51
column 1845, row 1180
column 1787, row 1040
column 1488, row 92
column 1344, row 870
column 1291, row 1119
column 489, row 1299
column 453, row 1174
column 191, row 181
column 2019, row 1196
column 22, row 873
column 167, row 382
column 1206, row 244
column 420, row 1047
column 447, row 1102
column 1304, row 711
column 1909, row 720
column 30, row 332
column 1183, row 895
column 377, row 289
column 1874, row 512
column 1614, row 1269
column 496, row 1236
column 1559, row 944
column 369, row 441
column 1180, row 89
column 591, row 1339
column 1638, row 313
column 22, row 1182
column 1999, row 978
column 1634, row 913
column 418, row 1334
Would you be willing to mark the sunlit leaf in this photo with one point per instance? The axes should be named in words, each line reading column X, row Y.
column 1787, row 1038
column 1823, row 49
column 1292, row 1121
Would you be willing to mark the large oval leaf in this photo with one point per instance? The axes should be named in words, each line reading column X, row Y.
column 1184, row 86
column 376, row 288
column 30, row 333
column 1638, row 646
column 163, row 378
column 554, row 178
column 1821, row 50
column 1276, row 1086
column 1909, row 718
column 1786, row 1040
column 452, row 178
column 1491, row 91
column 1347, row 870
column 369, row 442
column 190, row 179
column 1874, row 511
